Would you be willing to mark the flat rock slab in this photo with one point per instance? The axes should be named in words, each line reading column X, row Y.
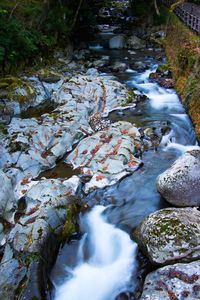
column 93, row 94
column 170, row 235
column 34, row 145
column 180, row 281
column 108, row 155
column 180, row 184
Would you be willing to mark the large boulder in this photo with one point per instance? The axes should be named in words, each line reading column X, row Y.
column 180, row 184
column 7, row 199
column 117, row 42
column 180, row 281
column 108, row 155
column 170, row 235
column 135, row 43
column 47, row 210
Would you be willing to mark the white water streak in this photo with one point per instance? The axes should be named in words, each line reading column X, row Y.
column 109, row 268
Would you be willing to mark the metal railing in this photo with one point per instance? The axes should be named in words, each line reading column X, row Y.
column 189, row 13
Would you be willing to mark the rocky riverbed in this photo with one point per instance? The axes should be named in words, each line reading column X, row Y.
column 113, row 119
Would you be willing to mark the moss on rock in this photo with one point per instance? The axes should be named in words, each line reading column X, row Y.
column 183, row 53
column 14, row 89
column 170, row 235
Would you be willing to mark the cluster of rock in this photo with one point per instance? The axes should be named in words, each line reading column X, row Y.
column 34, row 145
column 163, row 77
column 107, row 156
column 34, row 213
column 171, row 237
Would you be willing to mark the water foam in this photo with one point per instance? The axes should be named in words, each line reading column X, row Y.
column 110, row 266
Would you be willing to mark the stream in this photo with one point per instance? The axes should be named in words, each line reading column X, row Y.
column 103, row 264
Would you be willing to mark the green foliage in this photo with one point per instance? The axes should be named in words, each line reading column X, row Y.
column 32, row 27
column 16, row 42
column 162, row 18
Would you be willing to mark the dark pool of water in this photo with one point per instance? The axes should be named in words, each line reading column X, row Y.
column 61, row 170
column 38, row 111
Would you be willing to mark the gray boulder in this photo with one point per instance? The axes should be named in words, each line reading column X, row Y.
column 180, row 281
column 180, row 184
column 135, row 43
column 108, row 155
column 117, row 42
column 119, row 66
column 170, row 235
column 47, row 205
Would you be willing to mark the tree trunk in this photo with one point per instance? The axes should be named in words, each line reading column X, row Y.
column 156, row 8
column 76, row 15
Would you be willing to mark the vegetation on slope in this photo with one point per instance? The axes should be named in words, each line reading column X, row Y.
column 32, row 27
column 183, row 53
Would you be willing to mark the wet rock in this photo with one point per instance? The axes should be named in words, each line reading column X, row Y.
column 163, row 76
column 84, row 95
column 92, row 72
column 119, row 67
column 98, row 63
column 14, row 90
column 167, row 82
column 180, row 184
column 34, row 145
column 135, row 43
column 46, row 212
column 11, row 274
column 6, row 112
column 49, row 76
column 7, row 199
column 81, row 54
column 117, row 42
column 170, row 235
column 108, row 155
column 180, row 281
column 152, row 136
column 139, row 65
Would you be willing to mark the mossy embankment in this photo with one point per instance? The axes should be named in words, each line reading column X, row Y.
column 183, row 53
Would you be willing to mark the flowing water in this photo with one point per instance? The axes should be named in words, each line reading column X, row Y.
column 103, row 264
column 111, row 257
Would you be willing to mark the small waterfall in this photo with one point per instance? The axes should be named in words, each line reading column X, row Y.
column 111, row 262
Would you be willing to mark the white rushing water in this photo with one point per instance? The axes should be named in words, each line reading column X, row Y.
column 110, row 266
column 166, row 102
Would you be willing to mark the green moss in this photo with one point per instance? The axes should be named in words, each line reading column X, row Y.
column 129, row 99
column 17, row 90
column 3, row 129
column 69, row 227
column 163, row 68
column 182, row 49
